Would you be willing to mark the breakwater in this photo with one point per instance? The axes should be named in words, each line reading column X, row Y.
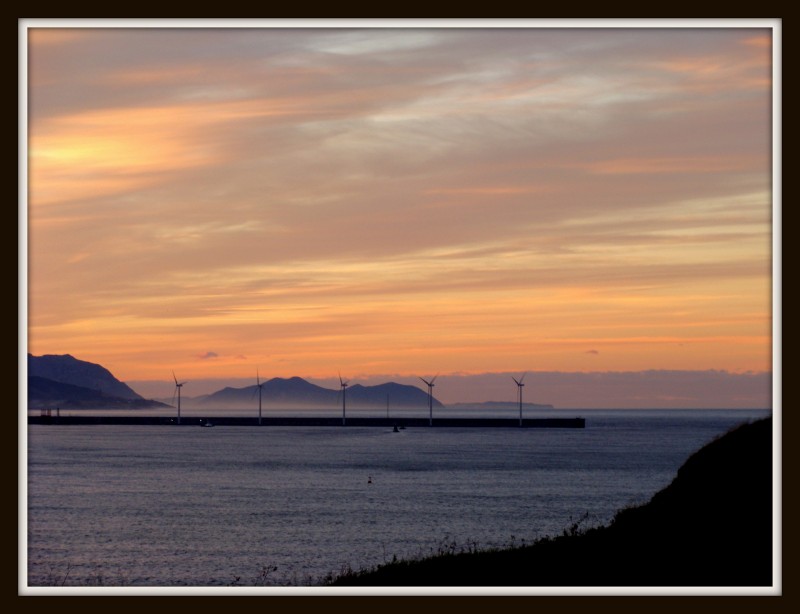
column 399, row 422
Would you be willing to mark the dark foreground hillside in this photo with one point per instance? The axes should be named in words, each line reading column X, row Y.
column 712, row 526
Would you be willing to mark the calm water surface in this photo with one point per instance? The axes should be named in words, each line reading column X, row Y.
column 190, row 506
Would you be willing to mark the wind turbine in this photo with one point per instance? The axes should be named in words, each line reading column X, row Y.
column 178, row 387
column 430, row 398
column 343, row 386
column 259, row 383
column 519, row 384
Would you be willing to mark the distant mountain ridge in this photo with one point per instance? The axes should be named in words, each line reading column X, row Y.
column 297, row 392
column 67, row 382
column 63, row 381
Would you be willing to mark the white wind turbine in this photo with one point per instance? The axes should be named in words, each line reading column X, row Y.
column 430, row 398
column 178, row 387
column 519, row 384
column 343, row 386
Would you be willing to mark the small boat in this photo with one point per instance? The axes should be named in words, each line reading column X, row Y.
column 207, row 423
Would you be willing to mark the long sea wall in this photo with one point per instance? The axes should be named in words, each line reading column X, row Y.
column 310, row 421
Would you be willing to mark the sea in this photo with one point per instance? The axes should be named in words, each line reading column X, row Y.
column 184, row 506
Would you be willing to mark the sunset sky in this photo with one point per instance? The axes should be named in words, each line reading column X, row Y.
column 393, row 202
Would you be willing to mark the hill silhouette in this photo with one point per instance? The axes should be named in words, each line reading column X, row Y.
column 64, row 381
column 45, row 393
column 297, row 392
column 712, row 526
column 67, row 369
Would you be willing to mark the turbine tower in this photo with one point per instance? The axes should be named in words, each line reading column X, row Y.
column 178, row 387
column 430, row 398
column 343, row 386
column 259, row 383
column 519, row 384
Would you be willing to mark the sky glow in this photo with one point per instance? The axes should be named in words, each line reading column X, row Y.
column 400, row 202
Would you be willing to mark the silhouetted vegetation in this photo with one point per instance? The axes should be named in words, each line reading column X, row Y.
column 712, row 526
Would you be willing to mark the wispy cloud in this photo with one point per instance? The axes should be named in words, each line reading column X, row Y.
column 390, row 197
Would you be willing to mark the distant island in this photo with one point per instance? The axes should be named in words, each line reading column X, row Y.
column 295, row 392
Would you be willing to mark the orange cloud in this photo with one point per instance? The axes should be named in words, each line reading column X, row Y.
column 635, row 166
column 487, row 190
column 40, row 36
column 763, row 41
column 380, row 213
column 98, row 153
